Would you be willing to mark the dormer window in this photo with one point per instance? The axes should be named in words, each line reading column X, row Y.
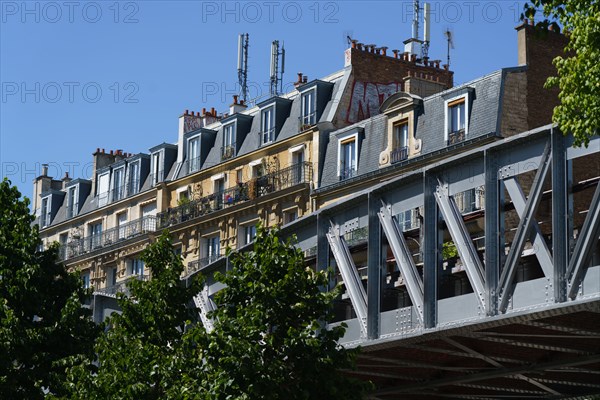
column 228, row 150
column 133, row 184
column 348, row 156
column 72, row 203
column 309, row 110
column 45, row 216
column 193, row 154
column 400, row 151
column 268, row 125
column 157, row 171
column 118, row 187
column 103, row 188
column 456, row 119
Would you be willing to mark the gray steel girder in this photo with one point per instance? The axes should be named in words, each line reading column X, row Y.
column 506, row 285
column 464, row 244
column 405, row 262
column 206, row 305
column 352, row 280
column 585, row 245
column 541, row 249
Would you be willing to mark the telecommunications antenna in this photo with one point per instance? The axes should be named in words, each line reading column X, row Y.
column 450, row 38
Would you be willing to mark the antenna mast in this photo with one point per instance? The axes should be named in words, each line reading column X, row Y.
column 426, row 29
column 450, row 40
column 242, row 64
column 277, row 71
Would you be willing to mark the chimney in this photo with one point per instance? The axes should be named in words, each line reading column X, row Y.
column 101, row 160
column 44, row 169
column 423, row 87
column 187, row 122
column 236, row 106
column 299, row 81
column 66, row 180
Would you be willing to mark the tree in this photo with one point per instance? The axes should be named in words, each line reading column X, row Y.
column 143, row 354
column 43, row 327
column 269, row 340
column 578, row 74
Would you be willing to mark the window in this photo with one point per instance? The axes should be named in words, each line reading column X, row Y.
column 228, row 142
column 290, row 216
column 45, row 216
column 348, row 160
column 134, row 178
column 103, row 185
column 268, row 125
column 213, row 248
column 249, row 233
column 156, row 169
column 85, row 278
column 456, row 120
column 297, row 167
column 117, row 187
column 409, row 219
column 219, row 188
column 239, row 175
column 72, row 205
column 400, row 151
column 111, row 276
column 136, row 267
column 121, row 221
column 309, row 114
column 62, row 240
column 193, row 154
column 257, row 170
column 95, row 235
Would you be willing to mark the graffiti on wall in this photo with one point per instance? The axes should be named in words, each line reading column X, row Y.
column 367, row 97
column 191, row 123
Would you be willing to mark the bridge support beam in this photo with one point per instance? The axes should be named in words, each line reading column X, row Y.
column 432, row 256
column 205, row 305
column 462, row 239
column 352, row 281
column 506, row 284
column 560, row 199
column 584, row 247
column 375, row 262
column 494, row 231
column 404, row 260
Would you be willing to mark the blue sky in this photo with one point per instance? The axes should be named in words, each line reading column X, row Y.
column 77, row 75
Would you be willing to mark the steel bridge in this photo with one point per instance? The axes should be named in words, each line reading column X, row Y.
column 513, row 313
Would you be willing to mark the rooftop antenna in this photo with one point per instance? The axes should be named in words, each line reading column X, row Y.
column 450, row 38
column 277, row 68
column 242, row 65
column 426, row 29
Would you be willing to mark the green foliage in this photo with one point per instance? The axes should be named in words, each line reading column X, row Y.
column 269, row 341
column 43, row 327
column 143, row 354
column 578, row 74
column 449, row 250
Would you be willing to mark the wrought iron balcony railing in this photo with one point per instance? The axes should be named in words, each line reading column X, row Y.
column 119, row 287
column 307, row 121
column 227, row 152
column 456, row 137
column 347, row 172
column 399, row 154
column 88, row 244
column 287, row 177
column 200, row 263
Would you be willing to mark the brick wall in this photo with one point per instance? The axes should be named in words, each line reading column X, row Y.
column 376, row 76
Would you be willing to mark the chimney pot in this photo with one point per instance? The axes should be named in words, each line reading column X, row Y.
column 242, row 102
column 111, row 152
column 187, row 112
column 203, row 110
column 304, row 79
column 299, row 76
column 235, row 99
column 384, row 50
column 354, row 43
column 44, row 169
column 97, row 149
column 395, row 53
column 212, row 111
column 103, row 151
column 359, row 45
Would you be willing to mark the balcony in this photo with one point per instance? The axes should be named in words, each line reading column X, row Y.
column 399, row 154
column 306, row 122
column 284, row 178
column 120, row 287
column 197, row 265
column 227, row 152
column 456, row 137
column 267, row 136
column 88, row 244
column 347, row 172
column 118, row 193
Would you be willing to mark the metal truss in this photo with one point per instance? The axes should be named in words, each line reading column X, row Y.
column 205, row 305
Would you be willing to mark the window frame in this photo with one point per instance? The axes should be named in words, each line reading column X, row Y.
column 271, row 131
column 463, row 98
column 72, row 202
column 156, row 162
column 193, row 162
column 45, row 214
column 118, row 187
column 342, row 141
column 133, row 177
column 312, row 114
